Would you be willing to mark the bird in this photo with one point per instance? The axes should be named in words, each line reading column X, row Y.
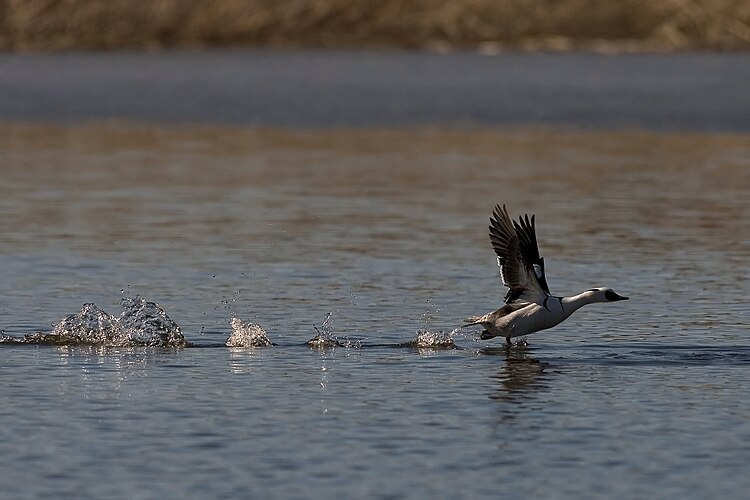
column 529, row 305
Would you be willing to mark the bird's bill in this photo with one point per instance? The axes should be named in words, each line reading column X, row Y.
column 612, row 296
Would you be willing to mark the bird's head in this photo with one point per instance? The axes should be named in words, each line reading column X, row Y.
column 604, row 294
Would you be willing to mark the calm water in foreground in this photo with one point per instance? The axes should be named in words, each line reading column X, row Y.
column 386, row 231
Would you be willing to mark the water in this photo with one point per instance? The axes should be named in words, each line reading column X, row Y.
column 704, row 91
column 374, row 242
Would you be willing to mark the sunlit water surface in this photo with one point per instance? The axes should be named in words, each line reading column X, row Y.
column 355, row 241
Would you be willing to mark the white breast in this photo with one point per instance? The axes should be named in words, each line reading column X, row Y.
column 535, row 317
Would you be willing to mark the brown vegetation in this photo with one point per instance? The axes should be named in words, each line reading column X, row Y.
column 486, row 24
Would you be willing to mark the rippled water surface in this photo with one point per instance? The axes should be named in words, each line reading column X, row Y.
column 357, row 240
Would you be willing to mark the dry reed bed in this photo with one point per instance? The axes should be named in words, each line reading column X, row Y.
column 487, row 24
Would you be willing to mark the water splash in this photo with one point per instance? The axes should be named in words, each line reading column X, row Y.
column 90, row 326
column 148, row 324
column 469, row 333
column 430, row 314
column 247, row 335
column 326, row 339
column 433, row 340
column 425, row 338
column 141, row 323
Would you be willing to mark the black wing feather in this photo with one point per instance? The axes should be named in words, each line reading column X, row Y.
column 526, row 231
column 517, row 251
column 505, row 244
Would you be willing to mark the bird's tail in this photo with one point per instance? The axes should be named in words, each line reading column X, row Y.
column 480, row 320
column 474, row 320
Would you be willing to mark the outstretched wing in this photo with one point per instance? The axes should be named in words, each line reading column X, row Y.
column 521, row 268
column 526, row 231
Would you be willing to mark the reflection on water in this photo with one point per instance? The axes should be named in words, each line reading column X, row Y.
column 365, row 192
column 655, row 354
column 243, row 361
column 103, row 370
column 520, row 372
